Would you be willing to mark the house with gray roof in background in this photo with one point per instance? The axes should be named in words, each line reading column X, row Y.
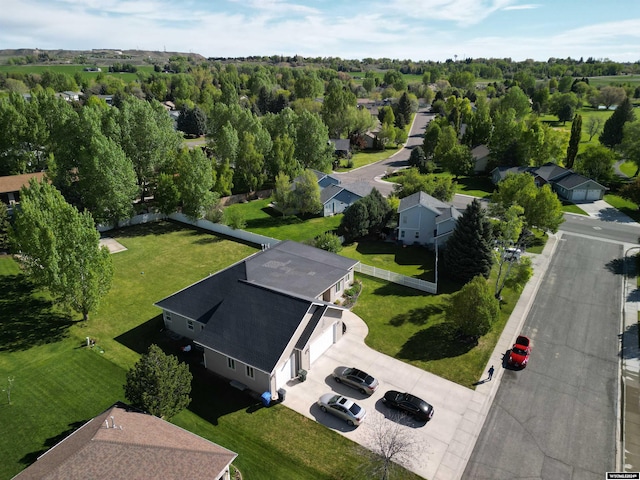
column 262, row 320
column 125, row 443
column 567, row 184
column 424, row 220
column 335, row 196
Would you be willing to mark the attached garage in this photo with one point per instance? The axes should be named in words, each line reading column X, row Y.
column 322, row 343
column 285, row 372
column 579, row 194
column 594, row 194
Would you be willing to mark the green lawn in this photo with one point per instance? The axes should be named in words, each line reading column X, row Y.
column 72, row 69
column 625, row 206
column 572, row 208
column 367, row 157
column 265, row 220
column 412, row 261
column 629, row 169
column 409, row 325
column 59, row 384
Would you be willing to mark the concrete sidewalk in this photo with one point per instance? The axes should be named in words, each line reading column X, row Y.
column 628, row 459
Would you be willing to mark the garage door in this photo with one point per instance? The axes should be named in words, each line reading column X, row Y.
column 593, row 194
column 579, row 194
column 284, row 373
column 320, row 344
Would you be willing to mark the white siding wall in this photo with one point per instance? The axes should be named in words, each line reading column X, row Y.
column 416, row 225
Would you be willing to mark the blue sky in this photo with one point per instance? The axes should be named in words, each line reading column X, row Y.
column 350, row 29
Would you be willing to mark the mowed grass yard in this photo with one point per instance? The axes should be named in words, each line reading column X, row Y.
column 59, row 384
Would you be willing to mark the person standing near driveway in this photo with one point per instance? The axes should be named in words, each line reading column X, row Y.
column 491, row 370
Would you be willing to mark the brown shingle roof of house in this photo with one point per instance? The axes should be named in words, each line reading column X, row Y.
column 13, row 183
column 140, row 446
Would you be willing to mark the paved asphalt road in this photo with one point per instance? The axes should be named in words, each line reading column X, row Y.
column 399, row 160
column 556, row 419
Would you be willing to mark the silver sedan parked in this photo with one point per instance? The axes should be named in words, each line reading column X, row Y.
column 343, row 408
column 356, row 378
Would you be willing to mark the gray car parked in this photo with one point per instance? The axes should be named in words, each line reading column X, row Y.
column 356, row 378
column 343, row 408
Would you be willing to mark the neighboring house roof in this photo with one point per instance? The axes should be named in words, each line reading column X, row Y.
column 345, row 193
column 13, row 183
column 324, row 179
column 550, row 172
column 439, row 208
column 480, row 151
column 341, row 144
column 574, row 180
column 140, row 446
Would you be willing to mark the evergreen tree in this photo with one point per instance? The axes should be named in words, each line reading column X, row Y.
column 159, row 384
column 468, row 251
column 355, row 221
column 378, row 209
column 574, row 140
column 612, row 132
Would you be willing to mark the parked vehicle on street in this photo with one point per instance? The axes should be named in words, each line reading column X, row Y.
column 343, row 408
column 356, row 378
column 409, row 404
column 519, row 355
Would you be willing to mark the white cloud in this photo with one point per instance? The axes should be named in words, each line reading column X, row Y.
column 527, row 6
column 462, row 12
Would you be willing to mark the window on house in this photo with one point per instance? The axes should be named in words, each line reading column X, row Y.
column 190, row 324
column 231, row 363
column 417, row 234
column 338, row 286
column 401, row 233
column 167, row 316
column 250, row 372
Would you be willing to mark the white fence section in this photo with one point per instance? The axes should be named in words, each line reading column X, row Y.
column 204, row 224
column 411, row 282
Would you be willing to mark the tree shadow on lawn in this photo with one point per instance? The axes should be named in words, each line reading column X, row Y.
column 396, row 290
column 27, row 320
column 273, row 222
column 145, row 229
column 140, row 338
column 434, row 343
column 417, row 316
column 31, row 457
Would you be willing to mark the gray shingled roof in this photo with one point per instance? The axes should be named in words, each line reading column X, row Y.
column 421, row 198
column 574, row 180
column 254, row 325
column 252, row 309
column 144, row 447
column 551, row 171
column 329, row 192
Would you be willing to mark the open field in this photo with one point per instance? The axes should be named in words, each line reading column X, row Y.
column 73, row 69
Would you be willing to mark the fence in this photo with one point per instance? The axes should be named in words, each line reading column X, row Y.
column 204, row 224
column 397, row 278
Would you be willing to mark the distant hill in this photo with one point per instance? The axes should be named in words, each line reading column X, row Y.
column 100, row 57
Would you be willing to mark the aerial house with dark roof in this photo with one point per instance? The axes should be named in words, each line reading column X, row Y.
column 267, row 317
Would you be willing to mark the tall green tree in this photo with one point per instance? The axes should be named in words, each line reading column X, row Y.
column 479, row 128
column 159, row 384
column 630, row 145
column 312, row 148
column 59, row 249
column 564, row 105
column 596, row 162
column 412, row 181
column 194, row 182
column 458, row 161
column 574, row 140
column 5, row 227
column 517, row 100
column 613, row 130
column 282, row 193
column 338, row 108
column 468, row 251
column 305, row 197
column 355, row 221
column 473, row 309
column 378, row 209
column 542, row 208
column 146, row 135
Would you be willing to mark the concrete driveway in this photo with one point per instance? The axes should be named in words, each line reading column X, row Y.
column 436, row 439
